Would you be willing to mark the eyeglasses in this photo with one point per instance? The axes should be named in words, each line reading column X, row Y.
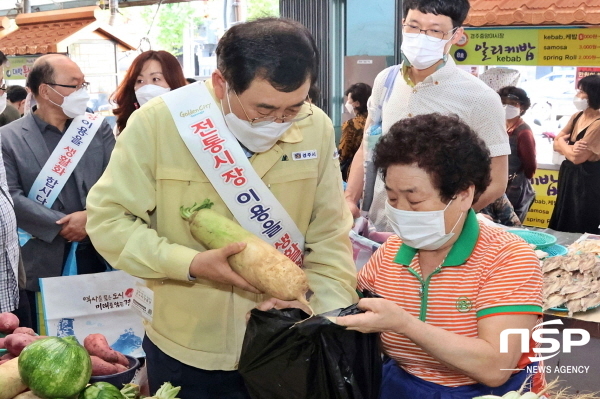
column 265, row 120
column 431, row 34
column 84, row 85
column 3, row 86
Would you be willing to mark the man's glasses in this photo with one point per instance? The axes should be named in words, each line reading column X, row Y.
column 3, row 85
column 265, row 120
column 433, row 35
column 84, row 85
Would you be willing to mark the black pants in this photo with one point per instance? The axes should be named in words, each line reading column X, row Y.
column 195, row 383
column 23, row 312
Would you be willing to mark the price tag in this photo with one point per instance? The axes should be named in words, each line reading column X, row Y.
column 143, row 302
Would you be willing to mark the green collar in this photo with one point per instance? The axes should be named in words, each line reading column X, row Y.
column 461, row 250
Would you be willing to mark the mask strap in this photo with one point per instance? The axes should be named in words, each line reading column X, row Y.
column 457, row 220
column 227, row 95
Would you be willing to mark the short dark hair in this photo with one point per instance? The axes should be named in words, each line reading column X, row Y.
column 190, row 80
column 281, row 51
column 16, row 93
column 3, row 58
column 445, row 147
column 590, row 85
column 457, row 10
column 314, row 93
column 41, row 72
column 360, row 92
column 520, row 94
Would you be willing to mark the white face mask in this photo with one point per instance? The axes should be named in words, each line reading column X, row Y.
column 511, row 111
column 148, row 92
column 2, row 102
column 581, row 103
column 75, row 103
column 420, row 230
column 420, row 51
column 255, row 138
column 349, row 107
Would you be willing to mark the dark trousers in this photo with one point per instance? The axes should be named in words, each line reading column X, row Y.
column 23, row 312
column 195, row 383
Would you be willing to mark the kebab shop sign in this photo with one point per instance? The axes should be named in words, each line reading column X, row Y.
column 570, row 337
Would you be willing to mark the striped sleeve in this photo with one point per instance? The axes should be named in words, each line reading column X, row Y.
column 512, row 284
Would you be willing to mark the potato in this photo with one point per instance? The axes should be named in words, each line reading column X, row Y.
column 8, row 322
column 96, row 345
column 120, row 367
column 24, row 330
column 101, row 367
column 2, row 346
column 10, row 380
column 15, row 343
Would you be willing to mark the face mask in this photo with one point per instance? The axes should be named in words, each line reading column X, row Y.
column 421, row 230
column 2, row 102
column 349, row 108
column 75, row 103
column 148, row 92
column 255, row 138
column 511, row 111
column 580, row 103
column 420, row 51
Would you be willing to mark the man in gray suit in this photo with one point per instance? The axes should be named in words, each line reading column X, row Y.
column 59, row 88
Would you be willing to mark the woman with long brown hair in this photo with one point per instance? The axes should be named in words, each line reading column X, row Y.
column 151, row 74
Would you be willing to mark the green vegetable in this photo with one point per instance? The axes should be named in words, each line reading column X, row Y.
column 55, row 368
column 259, row 263
column 101, row 390
column 166, row 391
column 131, row 391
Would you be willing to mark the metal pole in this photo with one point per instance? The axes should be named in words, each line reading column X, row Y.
column 26, row 6
column 398, row 31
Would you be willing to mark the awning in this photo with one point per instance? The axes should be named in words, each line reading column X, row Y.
column 52, row 31
column 533, row 12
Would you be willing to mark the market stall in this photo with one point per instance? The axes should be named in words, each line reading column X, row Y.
column 543, row 35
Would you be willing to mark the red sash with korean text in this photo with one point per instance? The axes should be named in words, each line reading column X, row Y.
column 223, row 161
column 62, row 162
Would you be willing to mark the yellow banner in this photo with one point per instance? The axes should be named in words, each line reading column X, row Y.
column 545, row 185
column 569, row 46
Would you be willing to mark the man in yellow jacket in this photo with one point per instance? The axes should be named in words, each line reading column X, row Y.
column 265, row 69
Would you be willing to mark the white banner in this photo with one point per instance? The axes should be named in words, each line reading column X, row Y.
column 62, row 162
column 98, row 303
column 222, row 159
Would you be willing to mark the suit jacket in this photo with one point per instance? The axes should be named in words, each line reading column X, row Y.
column 25, row 153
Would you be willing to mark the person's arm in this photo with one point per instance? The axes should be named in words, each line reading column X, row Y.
column 497, row 187
column 478, row 358
column 328, row 262
column 119, row 209
column 488, row 120
column 526, row 152
column 356, row 177
column 583, row 149
column 32, row 217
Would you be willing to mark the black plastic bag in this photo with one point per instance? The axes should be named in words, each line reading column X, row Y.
column 315, row 359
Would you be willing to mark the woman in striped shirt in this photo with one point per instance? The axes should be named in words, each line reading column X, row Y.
column 449, row 285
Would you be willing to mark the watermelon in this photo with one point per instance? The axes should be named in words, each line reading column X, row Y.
column 55, row 368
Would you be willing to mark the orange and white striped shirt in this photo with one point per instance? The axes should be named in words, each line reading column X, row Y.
column 487, row 272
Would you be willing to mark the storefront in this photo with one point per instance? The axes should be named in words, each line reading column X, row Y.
column 552, row 44
column 77, row 32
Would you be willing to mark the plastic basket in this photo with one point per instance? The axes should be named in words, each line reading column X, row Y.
column 540, row 240
column 556, row 250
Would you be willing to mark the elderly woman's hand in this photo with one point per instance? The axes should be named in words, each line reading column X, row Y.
column 380, row 315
